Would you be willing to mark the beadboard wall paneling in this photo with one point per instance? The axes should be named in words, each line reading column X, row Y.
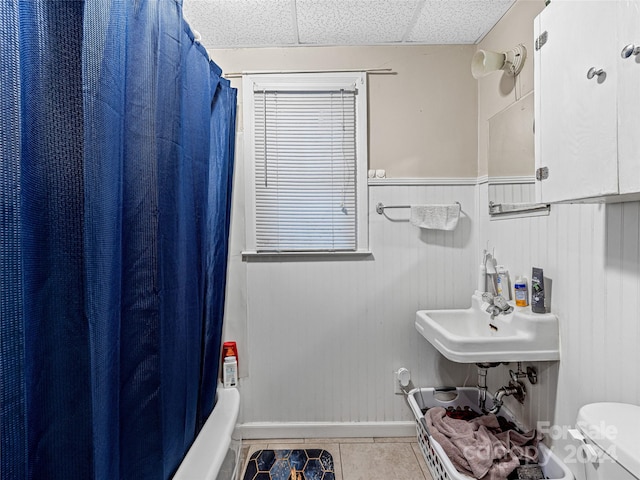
column 325, row 336
column 591, row 253
column 512, row 193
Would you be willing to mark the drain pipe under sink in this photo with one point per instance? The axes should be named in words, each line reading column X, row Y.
column 482, row 384
column 515, row 387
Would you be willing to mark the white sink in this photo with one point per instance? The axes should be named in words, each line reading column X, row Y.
column 471, row 336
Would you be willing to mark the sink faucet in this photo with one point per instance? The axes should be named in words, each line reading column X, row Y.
column 497, row 305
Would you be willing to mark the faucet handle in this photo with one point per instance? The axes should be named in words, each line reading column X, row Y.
column 488, row 298
column 500, row 302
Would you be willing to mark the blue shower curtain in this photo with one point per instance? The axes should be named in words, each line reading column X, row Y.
column 117, row 158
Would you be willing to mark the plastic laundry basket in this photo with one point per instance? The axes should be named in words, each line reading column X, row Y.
column 438, row 462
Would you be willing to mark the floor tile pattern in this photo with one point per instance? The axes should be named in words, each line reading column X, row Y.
column 358, row 458
column 294, row 464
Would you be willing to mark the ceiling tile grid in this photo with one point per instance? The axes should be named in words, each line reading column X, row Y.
column 457, row 21
column 264, row 23
column 348, row 22
column 240, row 23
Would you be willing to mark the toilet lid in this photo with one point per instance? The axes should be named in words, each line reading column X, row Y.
column 615, row 428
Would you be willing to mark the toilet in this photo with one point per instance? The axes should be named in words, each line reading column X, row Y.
column 606, row 442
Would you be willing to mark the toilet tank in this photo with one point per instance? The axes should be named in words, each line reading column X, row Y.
column 608, row 437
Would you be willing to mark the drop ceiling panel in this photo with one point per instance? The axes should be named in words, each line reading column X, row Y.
column 349, row 22
column 264, row 23
column 237, row 23
column 457, row 21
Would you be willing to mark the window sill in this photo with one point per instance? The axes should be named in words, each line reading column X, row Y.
column 252, row 256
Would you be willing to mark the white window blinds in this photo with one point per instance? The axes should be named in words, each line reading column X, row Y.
column 305, row 168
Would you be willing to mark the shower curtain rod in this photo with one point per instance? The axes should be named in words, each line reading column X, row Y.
column 375, row 71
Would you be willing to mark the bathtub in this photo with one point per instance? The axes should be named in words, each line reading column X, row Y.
column 212, row 446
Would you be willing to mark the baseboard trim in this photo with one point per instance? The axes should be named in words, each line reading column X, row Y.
column 258, row 430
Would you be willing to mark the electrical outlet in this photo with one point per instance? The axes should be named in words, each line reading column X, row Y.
column 399, row 376
column 402, row 378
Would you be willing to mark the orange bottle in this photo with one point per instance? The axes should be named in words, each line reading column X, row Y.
column 521, row 292
column 230, row 349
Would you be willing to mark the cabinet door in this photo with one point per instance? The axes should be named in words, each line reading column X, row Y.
column 576, row 118
column 629, row 97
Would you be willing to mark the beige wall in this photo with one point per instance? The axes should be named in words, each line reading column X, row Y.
column 498, row 91
column 422, row 119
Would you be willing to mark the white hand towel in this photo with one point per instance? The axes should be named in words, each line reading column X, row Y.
column 437, row 217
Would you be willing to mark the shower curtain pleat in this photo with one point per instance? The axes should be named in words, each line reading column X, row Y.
column 13, row 439
column 104, row 51
column 56, row 335
column 116, row 191
column 217, row 221
column 197, row 88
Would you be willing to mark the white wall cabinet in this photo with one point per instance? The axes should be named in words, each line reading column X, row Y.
column 587, row 104
column 629, row 96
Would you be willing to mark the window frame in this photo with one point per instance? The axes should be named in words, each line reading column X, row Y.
column 306, row 82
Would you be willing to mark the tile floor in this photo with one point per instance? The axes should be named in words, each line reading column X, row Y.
column 357, row 458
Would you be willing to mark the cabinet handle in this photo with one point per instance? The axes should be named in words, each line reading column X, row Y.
column 629, row 50
column 594, row 72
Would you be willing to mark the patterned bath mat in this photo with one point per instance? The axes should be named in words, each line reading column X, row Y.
column 309, row 464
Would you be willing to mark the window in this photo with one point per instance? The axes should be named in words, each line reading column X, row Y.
column 305, row 142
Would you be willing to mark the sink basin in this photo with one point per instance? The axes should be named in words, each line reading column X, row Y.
column 471, row 336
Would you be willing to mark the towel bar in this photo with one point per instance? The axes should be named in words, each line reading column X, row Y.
column 496, row 209
column 380, row 207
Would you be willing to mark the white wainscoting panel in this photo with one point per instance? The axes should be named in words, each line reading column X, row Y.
column 324, row 337
column 592, row 254
column 512, row 193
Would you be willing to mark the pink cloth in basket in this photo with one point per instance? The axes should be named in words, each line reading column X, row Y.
column 478, row 447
